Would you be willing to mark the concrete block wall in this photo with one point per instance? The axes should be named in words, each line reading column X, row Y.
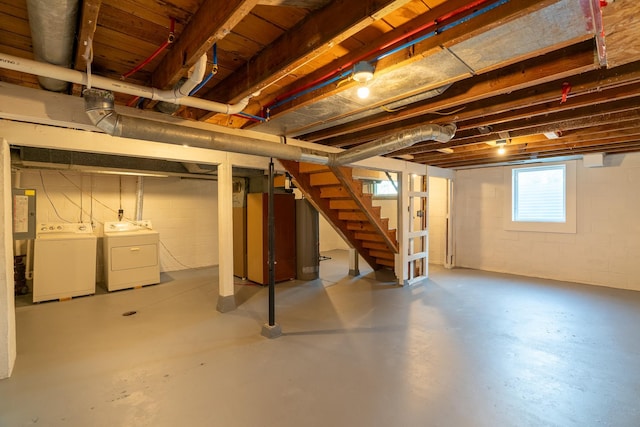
column 183, row 211
column 604, row 251
column 437, row 219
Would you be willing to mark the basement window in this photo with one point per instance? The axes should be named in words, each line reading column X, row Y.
column 539, row 194
column 542, row 198
column 384, row 188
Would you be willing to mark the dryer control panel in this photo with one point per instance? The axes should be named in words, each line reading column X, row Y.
column 121, row 226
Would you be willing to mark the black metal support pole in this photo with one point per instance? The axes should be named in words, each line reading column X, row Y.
column 271, row 329
column 271, row 254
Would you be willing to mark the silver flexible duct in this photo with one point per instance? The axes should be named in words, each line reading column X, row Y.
column 53, row 24
column 99, row 106
column 389, row 144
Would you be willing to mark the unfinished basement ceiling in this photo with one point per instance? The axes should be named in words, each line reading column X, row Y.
column 499, row 69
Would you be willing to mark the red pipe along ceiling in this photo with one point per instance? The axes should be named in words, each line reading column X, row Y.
column 395, row 41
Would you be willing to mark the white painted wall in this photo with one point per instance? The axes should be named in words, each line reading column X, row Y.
column 329, row 239
column 388, row 209
column 605, row 250
column 437, row 219
column 7, row 303
column 183, row 211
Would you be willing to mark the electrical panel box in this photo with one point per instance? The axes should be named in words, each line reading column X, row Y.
column 24, row 213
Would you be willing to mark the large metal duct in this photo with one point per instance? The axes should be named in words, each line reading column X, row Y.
column 53, row 25
column 395, row 142
column 100, row 109
column 99, row 106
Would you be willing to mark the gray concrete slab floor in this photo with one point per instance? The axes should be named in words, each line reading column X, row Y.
column 464, row 348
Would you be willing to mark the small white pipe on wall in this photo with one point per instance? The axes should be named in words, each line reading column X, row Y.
column 139, row 197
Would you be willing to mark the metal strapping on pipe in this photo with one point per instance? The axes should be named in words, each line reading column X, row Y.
column 389, row 144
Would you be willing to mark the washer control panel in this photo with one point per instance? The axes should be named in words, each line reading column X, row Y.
column 64, row 227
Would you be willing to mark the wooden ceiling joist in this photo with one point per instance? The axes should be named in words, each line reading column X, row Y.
column 315, row 35
column 516, row 77
column 87, row 24
column 462, row 32
column 213, row 21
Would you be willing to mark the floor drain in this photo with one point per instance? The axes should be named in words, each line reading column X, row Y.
column 129, row 313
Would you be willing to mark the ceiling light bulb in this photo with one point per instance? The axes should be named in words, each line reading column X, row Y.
column 501, row 151
column 363, row 92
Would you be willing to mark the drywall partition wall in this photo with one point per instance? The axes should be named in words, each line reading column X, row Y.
column 438, row 188
column 604, row 250
column 7, row 304
column 183, row 211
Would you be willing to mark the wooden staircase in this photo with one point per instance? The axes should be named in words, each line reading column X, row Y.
column 335, row 193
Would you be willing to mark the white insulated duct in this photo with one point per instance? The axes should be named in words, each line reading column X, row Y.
column 15, row 63
column 53, row 24
column 100, row 109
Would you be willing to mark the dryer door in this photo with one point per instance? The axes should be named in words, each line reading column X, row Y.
column 131, row 257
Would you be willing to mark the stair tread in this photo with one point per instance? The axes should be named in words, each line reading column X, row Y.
column 360, row 226
column 343, row 204
column 323, row 178
column 386, row 262
column 375, row 245
column 352, row 216
column 369, row 236
column 382, row 254
column 312, row 168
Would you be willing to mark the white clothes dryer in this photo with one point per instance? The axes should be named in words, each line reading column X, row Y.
column 131, row 254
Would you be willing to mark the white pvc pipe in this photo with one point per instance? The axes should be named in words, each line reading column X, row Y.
column 194, row 80
column 139, row 197
column 42, row 69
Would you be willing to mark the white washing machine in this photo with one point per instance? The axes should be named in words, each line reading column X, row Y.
column 64, row 261
column 131, row 254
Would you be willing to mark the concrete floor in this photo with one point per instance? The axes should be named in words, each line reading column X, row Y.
column 465, row 348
